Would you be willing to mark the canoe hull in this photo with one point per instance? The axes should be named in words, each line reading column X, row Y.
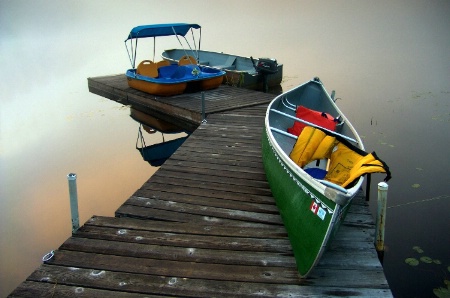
column 308, row 230
column 243, row 79
column 311, row 212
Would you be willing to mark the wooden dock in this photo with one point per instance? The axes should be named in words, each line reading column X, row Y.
column 206, row 225
column 184, row 110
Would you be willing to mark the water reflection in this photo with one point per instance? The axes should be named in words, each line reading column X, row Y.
column 152, row 123
column 156, row 154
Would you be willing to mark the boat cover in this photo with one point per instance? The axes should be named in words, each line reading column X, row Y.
column 161, row 30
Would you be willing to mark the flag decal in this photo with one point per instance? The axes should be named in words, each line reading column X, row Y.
column 319, row 211
column 314, row 207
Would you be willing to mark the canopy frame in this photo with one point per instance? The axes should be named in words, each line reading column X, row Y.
column 159, row 30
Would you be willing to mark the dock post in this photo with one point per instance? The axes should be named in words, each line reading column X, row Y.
column 72, row 178
column 333, row 95
column 381, row 219
column 203, row 108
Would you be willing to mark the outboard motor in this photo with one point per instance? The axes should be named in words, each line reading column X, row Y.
column 265, row 67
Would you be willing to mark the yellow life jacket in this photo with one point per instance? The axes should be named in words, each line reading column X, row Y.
column 347, row 162
column 307, row 143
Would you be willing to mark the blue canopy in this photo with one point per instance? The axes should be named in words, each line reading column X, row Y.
column 161, row 30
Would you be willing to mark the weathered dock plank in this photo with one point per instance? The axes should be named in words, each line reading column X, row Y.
column 206, row 225
column 138, row 284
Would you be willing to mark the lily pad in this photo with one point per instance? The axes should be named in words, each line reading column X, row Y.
column 442, row 292
column 437, row 262
column 427, row 260
column 418, row 249
column 415, row 185
column 412, row 261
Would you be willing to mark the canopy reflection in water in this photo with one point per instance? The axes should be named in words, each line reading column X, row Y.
column 157, row 154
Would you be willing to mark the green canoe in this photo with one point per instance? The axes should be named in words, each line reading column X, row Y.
column 312, row 208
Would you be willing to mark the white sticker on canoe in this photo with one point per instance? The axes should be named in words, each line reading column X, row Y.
column 321, row 213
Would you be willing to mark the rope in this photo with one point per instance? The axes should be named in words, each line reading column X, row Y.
column 420, row 201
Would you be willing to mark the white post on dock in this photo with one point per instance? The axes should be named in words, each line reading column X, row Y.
column 381, row 216
column 72, row 178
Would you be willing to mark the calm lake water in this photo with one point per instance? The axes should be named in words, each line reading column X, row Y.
column 389, row 62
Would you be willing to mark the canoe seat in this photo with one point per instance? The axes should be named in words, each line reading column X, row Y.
column 228, row 64
column 186, row 59
column 147, row 68
column 231, row 67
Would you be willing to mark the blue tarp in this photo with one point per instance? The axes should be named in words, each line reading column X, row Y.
column 161, row 30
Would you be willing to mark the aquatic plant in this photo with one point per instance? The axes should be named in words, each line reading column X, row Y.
column 441, row 292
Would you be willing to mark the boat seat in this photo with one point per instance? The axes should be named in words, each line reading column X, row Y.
column 162, row 63
column 186, row 59
column 147, row 68
column 168, row 71
column 231, row 67
column 228, row 63
column 180, row 72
